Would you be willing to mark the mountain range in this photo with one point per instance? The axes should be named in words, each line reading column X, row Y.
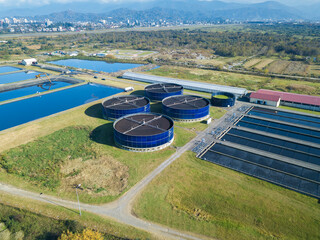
column 186, row 10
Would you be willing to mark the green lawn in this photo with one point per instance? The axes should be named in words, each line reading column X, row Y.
column 16, row 222
column 221, row 96
column 41, row 220
column 300, row 110
column 201, row 197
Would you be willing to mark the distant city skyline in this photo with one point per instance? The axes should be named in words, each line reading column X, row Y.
column 22, row 3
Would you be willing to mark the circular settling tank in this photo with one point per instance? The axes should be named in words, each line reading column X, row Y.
column 223, row 99
column 143, row 132
column 116, row 107
column 186, row 108
column 158, row 92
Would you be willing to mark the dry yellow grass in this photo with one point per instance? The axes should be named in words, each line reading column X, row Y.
column 314, row 69
column 278, row 66
column 252, row 63
column 108, row 174
column 34, row 47
column 296, row 68
column 264, row 62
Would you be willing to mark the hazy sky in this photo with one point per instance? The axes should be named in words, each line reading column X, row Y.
column 44, row 2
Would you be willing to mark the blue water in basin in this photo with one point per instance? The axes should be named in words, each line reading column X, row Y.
column 99, row 66
column 16, row 113
column 6, row 69
column 15, row 77
column 31, row 90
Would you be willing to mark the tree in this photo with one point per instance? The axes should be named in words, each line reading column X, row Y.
column 86, row 234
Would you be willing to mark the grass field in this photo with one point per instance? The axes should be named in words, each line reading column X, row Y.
column 207, row 199
column 263, row 63
column 238, row 80
column 54, row 154
column 251, row 63
column 46, row 164
column 300, row 110
column 17, row 224
column 49, row 217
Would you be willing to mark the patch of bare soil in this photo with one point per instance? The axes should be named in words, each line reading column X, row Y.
column 100, row 177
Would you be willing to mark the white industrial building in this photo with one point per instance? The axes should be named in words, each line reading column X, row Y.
column 265, row 99
column 29, row 61
column 191, row 85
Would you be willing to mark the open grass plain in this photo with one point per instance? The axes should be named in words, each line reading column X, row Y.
column 201, row 197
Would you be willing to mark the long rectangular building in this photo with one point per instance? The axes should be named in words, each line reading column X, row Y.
column 191, row 85
column 272, row 98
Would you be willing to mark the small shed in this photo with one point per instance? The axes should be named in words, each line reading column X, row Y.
column 29, row 61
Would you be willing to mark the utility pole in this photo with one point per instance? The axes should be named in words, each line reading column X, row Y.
column 78, row 198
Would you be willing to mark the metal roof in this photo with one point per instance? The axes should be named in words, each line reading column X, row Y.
column 293, row 97
column 143, row 124
column 192, row 85
column 263, row 96
column 125, row 102
column 164, row 88
column 186, row 102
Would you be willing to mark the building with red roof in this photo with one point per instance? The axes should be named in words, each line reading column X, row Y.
column 276, row 98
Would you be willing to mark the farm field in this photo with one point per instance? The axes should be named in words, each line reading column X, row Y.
column 251, row 63
column 263, row 63
column 288, row 68
column 249, row 82
column 315, row 69
column 201, row 197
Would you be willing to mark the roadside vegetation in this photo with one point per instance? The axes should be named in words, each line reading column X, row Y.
column 47, row 220
column 17, row 224
column 201, row 197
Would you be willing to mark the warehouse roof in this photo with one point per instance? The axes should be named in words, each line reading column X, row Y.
column 143, row 124
column 193, row 85
column 125, row 102
column 293, row 97
column 186, row 102
column 164, row 88
column 264, row 96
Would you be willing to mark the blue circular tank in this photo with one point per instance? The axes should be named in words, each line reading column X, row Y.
column 143, row 132
column 223, row 99
column 186, row 107
column 116, row 107
column 159, row 91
